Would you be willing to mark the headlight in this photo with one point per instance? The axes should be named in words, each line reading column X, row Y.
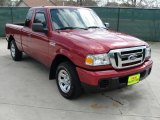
column 96, row 60
column 148, row 52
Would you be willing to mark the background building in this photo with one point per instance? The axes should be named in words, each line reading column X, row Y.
column 33, row 3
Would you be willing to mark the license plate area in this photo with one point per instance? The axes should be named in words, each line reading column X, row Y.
column 133, row 79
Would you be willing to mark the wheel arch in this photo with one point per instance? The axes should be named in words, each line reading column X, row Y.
column 9, row 41
column 58, row 59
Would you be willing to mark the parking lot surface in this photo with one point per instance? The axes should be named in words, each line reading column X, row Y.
column 26, row 93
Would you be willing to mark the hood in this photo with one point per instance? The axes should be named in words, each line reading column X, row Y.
column 101, row 40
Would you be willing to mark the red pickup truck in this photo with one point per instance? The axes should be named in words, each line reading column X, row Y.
column 80, row 51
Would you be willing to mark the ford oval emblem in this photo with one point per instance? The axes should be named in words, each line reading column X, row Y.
column 132, row 57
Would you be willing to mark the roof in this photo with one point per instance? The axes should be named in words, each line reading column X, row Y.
column 59, row 7
column 33, row 3
column 62, row 7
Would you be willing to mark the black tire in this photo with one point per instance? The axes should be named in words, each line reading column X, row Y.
column 15, row 53
column 75, row 85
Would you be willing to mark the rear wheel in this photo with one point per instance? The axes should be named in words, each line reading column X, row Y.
column 67, row 81
column 15, row 53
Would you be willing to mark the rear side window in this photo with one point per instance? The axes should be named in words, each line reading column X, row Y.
column 28, row 18
column 40, row 18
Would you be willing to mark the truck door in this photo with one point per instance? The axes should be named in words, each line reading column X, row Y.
column 39, row 42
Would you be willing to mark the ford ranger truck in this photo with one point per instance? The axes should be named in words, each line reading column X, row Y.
column 80, row 51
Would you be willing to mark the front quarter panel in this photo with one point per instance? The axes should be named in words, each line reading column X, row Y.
column 59, row 45
column 62, row 45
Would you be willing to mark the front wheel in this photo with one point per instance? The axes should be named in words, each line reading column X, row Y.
column 67, row 81
column 15, row 53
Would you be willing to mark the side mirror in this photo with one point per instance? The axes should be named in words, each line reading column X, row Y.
column 38, row 27
column 107, row 25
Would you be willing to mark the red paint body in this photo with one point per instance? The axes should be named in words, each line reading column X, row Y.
column 75, row 45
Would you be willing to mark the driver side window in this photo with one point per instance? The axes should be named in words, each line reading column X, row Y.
column 40, row 18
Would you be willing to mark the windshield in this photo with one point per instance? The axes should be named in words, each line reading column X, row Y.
column 75, row 18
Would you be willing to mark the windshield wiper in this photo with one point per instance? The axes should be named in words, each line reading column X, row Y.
column 95, row 27
column 65, row 28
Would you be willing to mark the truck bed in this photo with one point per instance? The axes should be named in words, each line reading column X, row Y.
column 12, row 29
column 15, row 30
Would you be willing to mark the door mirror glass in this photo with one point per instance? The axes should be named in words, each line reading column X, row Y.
column 107, row 25
column 38, row 27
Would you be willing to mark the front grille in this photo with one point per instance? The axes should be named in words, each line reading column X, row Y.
column 127, row 57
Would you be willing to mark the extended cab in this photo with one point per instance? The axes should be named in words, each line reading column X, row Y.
column 79, row 49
